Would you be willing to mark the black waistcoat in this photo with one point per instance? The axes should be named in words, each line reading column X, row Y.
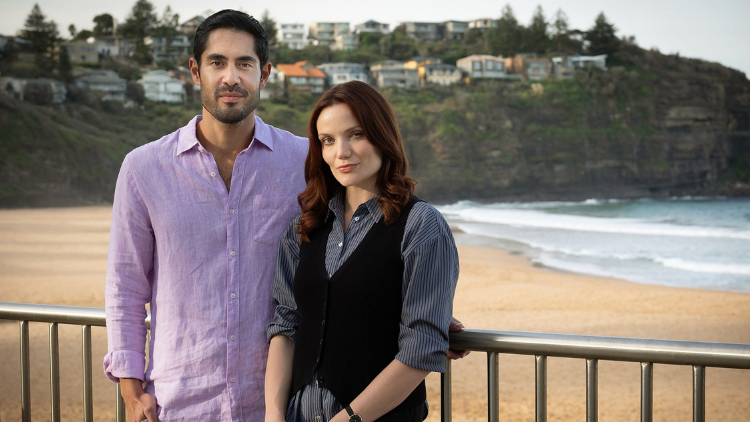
column 349, row 325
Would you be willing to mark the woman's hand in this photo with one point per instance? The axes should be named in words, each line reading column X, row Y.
column 454, row 326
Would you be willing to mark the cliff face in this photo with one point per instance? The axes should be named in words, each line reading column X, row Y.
column 657, row 126
column 651, row 126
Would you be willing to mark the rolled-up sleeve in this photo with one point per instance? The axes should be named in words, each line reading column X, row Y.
column 286, row 317
column 129, row 271
column 430, row 276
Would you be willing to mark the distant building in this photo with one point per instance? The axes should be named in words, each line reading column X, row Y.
column 105, row 81
column 13, row 87
column 482, row 24
column 422, row 31
column 482, row 67
column 346, row 42
column 84, row 51
column 393, row 74
column 160, row 87
column 416, row 62
column 169, row 49
column 338, row 73
column 191, row 25
column 583, row 62
column 293, row 35
column 454, row 30
column 440, row 74
column 301, row 76
column 325, row 33
column 537, row 69
column 59, row 91
column 371, row 26
column 108, row 45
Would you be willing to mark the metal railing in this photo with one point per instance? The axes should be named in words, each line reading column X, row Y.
column 648, row 352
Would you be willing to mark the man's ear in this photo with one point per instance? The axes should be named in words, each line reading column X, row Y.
column 265, row 73
column 195, row 71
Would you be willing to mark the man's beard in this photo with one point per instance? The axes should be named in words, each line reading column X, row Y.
column 230, row 115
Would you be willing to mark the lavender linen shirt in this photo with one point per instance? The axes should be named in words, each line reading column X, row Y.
column 204, row 260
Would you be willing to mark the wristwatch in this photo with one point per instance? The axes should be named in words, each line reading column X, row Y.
column 353, row 417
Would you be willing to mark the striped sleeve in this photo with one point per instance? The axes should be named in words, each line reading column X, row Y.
column 430, row 277
column 286, row 318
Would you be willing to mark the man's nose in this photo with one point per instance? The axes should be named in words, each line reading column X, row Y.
column 231, row 76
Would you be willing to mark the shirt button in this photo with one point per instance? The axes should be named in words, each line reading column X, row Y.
column 231, row 210
column 231, row 379
column 213, row 174
column 356, row 218
column 233, row 338
column 233, row 253
column 323, row 322
column 317, row 417
column 341, row 244
column 233, row 295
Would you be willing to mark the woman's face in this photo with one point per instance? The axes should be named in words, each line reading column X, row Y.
column 354, row 161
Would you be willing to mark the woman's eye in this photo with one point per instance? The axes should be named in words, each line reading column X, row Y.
column 357, row 135
column 326, row 141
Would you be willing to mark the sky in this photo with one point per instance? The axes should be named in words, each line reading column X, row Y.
column 713, row 30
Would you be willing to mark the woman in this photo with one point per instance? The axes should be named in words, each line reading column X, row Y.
column 365, row 277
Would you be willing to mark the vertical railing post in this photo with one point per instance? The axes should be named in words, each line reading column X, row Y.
column 647, row 391
column 493, row 387
column 592, row 390
column 699, row 393
column 541, row 388
column 25, row 373
column 88, row 403
column 54, row 373
column 446, row 411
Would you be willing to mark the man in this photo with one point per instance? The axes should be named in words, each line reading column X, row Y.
column 196, row 222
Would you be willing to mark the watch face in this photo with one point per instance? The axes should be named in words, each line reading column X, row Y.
column 355, row 418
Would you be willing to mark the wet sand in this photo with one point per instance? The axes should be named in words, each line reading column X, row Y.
column 58, row 256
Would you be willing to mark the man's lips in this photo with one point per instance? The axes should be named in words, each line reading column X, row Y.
column 346, row 168
column 230, row 97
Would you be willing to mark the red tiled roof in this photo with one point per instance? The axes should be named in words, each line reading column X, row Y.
column 297, row 70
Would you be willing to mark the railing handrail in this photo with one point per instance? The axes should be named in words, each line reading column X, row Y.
column 674, row 352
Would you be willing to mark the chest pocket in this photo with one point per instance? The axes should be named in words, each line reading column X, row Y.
column 272, row 213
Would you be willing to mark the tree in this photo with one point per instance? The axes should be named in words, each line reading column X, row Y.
column 602, row 38
column 506, row 38
column 537, row 38
column 560, row 28
column 104, row 24
column 72, row 31
column 83, row 35
column 141, row 21
column 169, row 23
column 64, row 67
column 42, row 36
column 269, row 25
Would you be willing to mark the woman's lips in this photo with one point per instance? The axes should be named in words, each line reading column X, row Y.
column 346, row 168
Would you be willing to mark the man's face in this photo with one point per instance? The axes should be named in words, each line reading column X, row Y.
column 230, row 75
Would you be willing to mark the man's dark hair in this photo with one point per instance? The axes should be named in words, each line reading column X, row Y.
column 237, row 21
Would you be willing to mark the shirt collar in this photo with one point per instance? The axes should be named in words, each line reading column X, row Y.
column 371, row 206
column 188, row 138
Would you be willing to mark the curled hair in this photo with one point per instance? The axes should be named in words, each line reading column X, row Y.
column 236, row 21
column 379, row 125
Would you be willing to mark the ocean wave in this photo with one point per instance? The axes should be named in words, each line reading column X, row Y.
column 542, row 220
column 600, row 256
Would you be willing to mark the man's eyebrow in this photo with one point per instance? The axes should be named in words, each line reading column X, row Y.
column 216, row 56
column 247, row 59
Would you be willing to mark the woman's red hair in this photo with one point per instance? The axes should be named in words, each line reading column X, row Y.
column 379, row 125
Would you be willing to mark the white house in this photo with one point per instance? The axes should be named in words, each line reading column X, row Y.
column 293, row 35
column 110, row 83
column 160, row 87
column 482, row 66
column 338, row 73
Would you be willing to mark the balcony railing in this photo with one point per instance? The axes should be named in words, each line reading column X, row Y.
column 699, row 355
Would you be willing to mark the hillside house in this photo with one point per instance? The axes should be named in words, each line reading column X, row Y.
column 293, row 35
column 160, row 87
column 440, row 74
column 393, row 74
column 481, row 66
column 301, row 76
column 338, row 73
column 105, row 81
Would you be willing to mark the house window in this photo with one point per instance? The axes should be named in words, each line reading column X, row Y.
column 490, row 65
column 477, row 65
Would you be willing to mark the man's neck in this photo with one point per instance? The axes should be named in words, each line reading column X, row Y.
column 225, row 140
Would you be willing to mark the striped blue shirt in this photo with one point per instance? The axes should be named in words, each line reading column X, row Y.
column 429, row 282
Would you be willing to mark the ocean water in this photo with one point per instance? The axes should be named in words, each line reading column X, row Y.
column 688, row 242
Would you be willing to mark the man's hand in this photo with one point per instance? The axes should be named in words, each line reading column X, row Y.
column 456, row 325
column 139, row 405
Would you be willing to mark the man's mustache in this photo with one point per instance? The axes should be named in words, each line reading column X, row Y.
column 235, row 89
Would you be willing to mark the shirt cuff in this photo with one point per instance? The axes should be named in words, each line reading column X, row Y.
column 276, row 329
column 124, row 364
column 421, row 351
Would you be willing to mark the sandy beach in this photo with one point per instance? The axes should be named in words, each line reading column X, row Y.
column 58, row 256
